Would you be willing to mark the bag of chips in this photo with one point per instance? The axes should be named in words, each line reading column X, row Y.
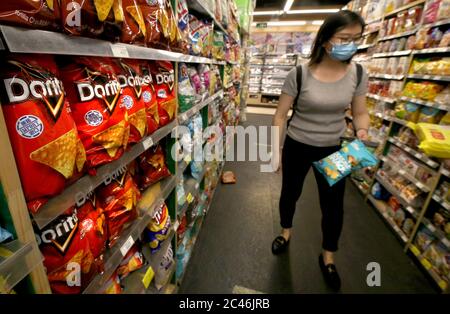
column 41, row 14
column 112, row 286
column 152, row 167
column 72, row 246
column 94, row 93
column 183, row 25
column 162, row 272
column 42, row 131
column 119, row 199
column 186, row 94
column 158, row 229
column 340, row 164
column 434, row 139
column 164, row 84
column 134, row 83
column 132, row 261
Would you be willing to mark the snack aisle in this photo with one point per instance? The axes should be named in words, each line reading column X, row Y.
column 406, row 49
column 104, row 188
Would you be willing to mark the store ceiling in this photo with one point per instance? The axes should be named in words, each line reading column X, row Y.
column 269, row 5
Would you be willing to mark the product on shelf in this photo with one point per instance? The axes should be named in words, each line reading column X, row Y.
column 196, row 82
column 200, row 36
column 112, row 286
column 181, row 194
column 162, row 271
column 151, row 167
column 205, row 78
column 444, row 191
column 196, row 128
column 429, row 115
column 93, row 92
column 158, row 229
column 133, row 260
column 186, row 93
column 443, row 97
column 44, row 14
column 408, row 226
column 441, row 219
column 424, row 238
column 438, row 255
column 218, row 46
column 183, row 23
column 341, row 163
column 407, row 111
column 422, row 90
column 43, row 134
column 119, row 199
column 434, row 139
column 411, row 193
column 164, row 84
column 437, row 66
column 71, row 243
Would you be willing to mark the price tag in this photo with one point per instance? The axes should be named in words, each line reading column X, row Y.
column 420, row 185
column 148, row 277
column 197, row 186
column 438, row 77
column 127, row 246
column 425, row 263
column 119, row 51
column 183, row 117
column 410, row 209
column 445, row 172
column 415, row 250
column 417, row 155
column 443, row 285
column 402, row 172
column 431, row 228
column 188, row 158
column 148, row 142
column 446, row 205
column 189, row 198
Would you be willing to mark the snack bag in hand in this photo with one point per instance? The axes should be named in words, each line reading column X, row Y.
column 340, row 164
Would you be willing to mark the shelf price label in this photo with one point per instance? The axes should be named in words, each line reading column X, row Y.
column 148, row 142
column 148, row 277
column 189, row 198
column 415, row 250
column 426, row 263
column 127, row 246
column 119, row 51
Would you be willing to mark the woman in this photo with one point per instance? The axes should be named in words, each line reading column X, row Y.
column 329, row 83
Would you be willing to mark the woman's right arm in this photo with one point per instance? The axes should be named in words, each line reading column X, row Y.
column 279, row 121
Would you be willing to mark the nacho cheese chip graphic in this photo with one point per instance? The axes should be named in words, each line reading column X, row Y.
column 111, row 138
column 103, row 8
column 59, row 154
column 139, row 121
column 136, row 13
column 50, row 4
column 81, row 156
column 118, row 11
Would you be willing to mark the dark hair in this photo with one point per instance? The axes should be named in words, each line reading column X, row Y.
column 331, row 26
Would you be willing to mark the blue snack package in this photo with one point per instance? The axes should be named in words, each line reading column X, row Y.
column 5, row 235
column 340, row 164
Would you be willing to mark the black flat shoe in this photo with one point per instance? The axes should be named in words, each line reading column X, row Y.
column 279, row 245
column 330, row 274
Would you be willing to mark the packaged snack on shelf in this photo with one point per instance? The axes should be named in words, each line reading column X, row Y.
column 43, row 134
column 402, row 44
column 421, row 38
column 411, row 42
column 407, row 111
column 132, row 84
column 434, row 139
column 41, row 14
column 391, row 66
column 379, row 192
column 445, row 41
column 119, row 199
column 408, row 226
column 444, row 10
column 431, row 11
column 152, row 167
column 164, row 84
column 341, row 163
column 130, row 13
column 422, row 90
column 205, row 78
column 196, row 82
column 186, row 93
column 93, row 91
column 133, row 260
column 401, row 21
column 112, row 286
column 218, row 46
column 425, row 175
column 411, row 194
column 163, row 270
column 399, row 217
column 429, row 115
column 158, row 229
column 394, row 45
column 424, row 238
column 181, row 194
column 443, row 190
column 441, row 220
column 76, row 237
column 443, row 97
column 413, row 18
column 395, row 88
column 402, row 66
column 438, row 255
column 183, row 23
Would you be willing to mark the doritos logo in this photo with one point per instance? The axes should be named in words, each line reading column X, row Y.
column 109, row 92
column 165, row 78
column 133, row 81
column 61, row 233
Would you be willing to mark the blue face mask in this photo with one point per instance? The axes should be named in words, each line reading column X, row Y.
column 343, row 52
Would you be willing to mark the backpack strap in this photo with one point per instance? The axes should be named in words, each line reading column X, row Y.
column 359, row 73
column 299, row 72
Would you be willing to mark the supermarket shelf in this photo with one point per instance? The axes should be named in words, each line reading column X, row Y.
column 385, row 99
column 392, row 54
column 432, row 50
column 366, row 46
column 399, row 121
column 374, row 21
column 438, row 23
column 387, row 76
column 270, row 94
column 182, row 118
column 193, row 189
column 428, row 267
column 360, row 188
column 442, row 202
column 405, row 7
column 445, row 172
column 149, row 202
column 380, row 208
column 371, row 32
column 395, row 193
column 24, row 40
column 270, row 84
column 425, row 103
column 406, row 175
column 416, row 154
column 280, row 65
column 18, row 263
column 75, row 193
column 430, row 77
column 408, row 33
column 438, row 233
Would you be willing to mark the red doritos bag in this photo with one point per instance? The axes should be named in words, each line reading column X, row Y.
column 119, row 199
column 136, row 92
column 134, row 30
column 40, row 14
column 42, row 132
column 72, row 246
column 164, row 83
column 152, row 167
column 94, row 92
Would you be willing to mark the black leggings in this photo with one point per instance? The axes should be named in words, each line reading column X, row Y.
column 297, row 159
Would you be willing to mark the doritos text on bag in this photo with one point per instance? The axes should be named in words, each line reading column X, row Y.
column 94, row 93
column 164, row 83
column 42, row 132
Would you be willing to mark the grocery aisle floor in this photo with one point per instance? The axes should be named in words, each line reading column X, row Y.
column 233, row 248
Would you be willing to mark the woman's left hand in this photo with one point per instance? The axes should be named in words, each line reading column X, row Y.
column 362, row 135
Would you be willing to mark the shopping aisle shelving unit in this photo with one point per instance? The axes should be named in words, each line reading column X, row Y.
column 26, row 259
column 419, row 213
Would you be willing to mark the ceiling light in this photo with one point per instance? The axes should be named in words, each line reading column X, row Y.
column 312, row 11
column 288, row 5
column 267, row 13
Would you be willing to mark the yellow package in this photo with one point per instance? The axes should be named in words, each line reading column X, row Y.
column 434, row 139
column 445, row 119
